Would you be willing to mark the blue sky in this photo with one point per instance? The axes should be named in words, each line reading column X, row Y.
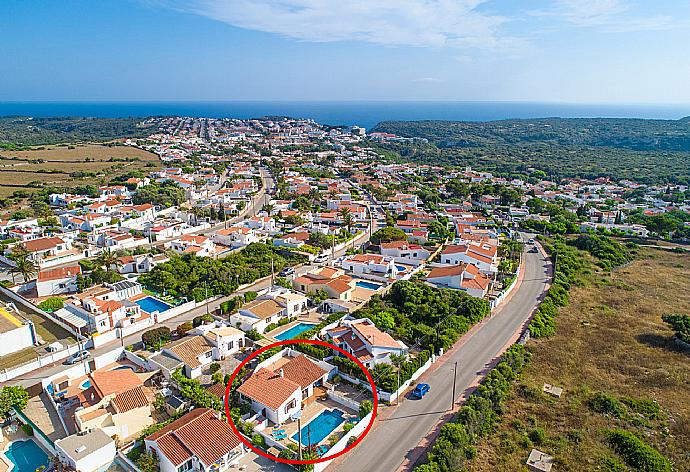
column 585, row 51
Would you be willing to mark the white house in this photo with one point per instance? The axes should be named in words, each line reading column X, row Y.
column 362, row 339
column 198, row 442
column 373, row 264
column 225, row 340
column 57, row 281
column 463, row 276
column 87, row 451
column 235, row 236
column 281, row 383
column 269, row 309
column 404, row 252
column 196, row 352
column 16, row 333
column 483, row 255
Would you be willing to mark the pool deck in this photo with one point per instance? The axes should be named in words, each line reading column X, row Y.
column 282, row 329
column 311, row 410
column 7, row 438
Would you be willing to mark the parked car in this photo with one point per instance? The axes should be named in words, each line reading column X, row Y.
column 534, row 249
column 420, row 390
column 287, row 271
column 77, row 357
column 321, row 258
column 531, row 240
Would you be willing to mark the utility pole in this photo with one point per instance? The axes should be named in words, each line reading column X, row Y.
column 273, row 281
column 397, row 395
column 455, row 372
column 206, row 293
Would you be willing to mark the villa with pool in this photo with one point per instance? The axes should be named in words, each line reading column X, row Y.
column 289, row 385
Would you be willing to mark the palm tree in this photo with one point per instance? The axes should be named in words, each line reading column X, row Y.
column 23, row 266
column 346, row 216
column 314, row 195
column 108, row 259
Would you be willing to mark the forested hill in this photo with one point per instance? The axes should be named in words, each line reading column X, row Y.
column 633, row 134
column 26, row 131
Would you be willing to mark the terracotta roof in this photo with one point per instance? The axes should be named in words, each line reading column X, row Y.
column 450, row 271
column 217, row 389
column 58, row 273
column 42, row 244
column 302, row 371
column 477, row 283
column 135, row 398
column 114, row 381
column 263, row 308
column 454, row 249
column 189, row 348
column 268, row 388
column 375, row 336
column 199, row 433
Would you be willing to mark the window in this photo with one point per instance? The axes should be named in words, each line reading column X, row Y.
column 290, row 405
column 231, row 344
column 186, row 466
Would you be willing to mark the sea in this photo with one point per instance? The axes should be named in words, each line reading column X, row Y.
column 361, row 113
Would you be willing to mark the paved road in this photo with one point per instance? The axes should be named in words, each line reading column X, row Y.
column 395, row 438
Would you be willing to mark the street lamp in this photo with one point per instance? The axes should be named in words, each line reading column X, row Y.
column 298, row 416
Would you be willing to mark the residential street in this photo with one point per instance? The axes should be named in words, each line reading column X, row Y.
column 394, row 439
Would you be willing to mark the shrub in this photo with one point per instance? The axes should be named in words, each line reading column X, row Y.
column 214, row 367
column 636, row 453
column 28, row 430
column 52, row 304
column 156, row 337
column 183, row 328
column 348, row 427
column 607, row 405
column 680, row 324
column 365, row 408
column 249, row 296
column 537, row 436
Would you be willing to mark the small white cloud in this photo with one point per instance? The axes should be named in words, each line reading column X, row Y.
column 613, row 16
column 428, row 80
column 436, row 23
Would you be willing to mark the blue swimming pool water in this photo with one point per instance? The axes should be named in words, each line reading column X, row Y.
column 293, row 332
column 320, row 427
column 367, row 285
column 26, row 456
column 85, row 384
column 150, row 304
column 401, row 268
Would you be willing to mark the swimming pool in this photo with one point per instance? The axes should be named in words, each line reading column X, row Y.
column 400, row 268
column 150, row 304
column 367, row 285
column 293, row 332
column 85, row 384
column 320, row 427
column 26, row 456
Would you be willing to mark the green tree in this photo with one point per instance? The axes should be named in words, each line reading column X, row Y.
column 365, row 408
column 147, row 462
column 12, row 396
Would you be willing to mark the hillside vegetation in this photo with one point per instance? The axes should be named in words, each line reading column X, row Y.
column 18, row 131
column 625, row 378
column 648, row 151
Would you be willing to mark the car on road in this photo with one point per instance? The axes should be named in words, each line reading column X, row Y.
column 287, row 271
column 534, row 249
column 531, row 240
column 420, row 390
column 321, row 258
column 77, row 357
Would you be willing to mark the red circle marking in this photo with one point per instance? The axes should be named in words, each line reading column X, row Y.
column 296, row 461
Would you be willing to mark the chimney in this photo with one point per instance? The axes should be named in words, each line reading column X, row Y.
column 281, row 373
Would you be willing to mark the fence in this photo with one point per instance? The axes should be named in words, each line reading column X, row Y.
column 9, row 374
column 41, row 436
column 346, row 402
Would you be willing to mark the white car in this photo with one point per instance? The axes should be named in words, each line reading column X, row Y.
column 320, row 258
column 77, row 357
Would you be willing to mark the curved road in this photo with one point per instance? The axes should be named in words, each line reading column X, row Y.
column 394, row 443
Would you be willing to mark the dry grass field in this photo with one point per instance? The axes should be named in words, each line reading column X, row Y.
column 100, row 163
column 610, row 339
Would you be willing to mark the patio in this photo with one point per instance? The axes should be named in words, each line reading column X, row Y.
column 310, row 411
